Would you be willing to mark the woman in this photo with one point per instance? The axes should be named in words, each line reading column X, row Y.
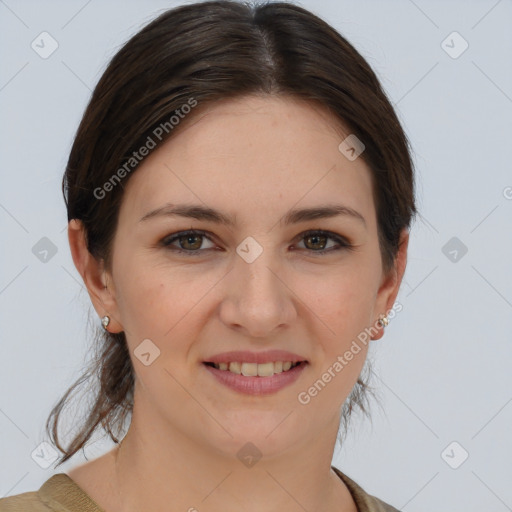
column 239, row 196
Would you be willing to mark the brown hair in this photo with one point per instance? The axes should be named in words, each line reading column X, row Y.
column 206, row 52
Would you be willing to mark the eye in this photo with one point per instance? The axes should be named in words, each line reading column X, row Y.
column 315, row 241
column 189, row 241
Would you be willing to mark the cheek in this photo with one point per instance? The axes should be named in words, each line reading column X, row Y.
column 343, row 300
column 156, row 298
column 341, row 309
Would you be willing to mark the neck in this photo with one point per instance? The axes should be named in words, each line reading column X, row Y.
column 153, row 470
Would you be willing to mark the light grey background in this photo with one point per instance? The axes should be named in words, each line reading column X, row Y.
column 443, row 367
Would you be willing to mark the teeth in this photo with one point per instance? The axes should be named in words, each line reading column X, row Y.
column 255, row 369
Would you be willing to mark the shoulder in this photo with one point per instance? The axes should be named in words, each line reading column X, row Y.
column 26, row 502
column 364, row 501
column 58, row 493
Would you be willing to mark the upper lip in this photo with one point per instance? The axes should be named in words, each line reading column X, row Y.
column 243, row 356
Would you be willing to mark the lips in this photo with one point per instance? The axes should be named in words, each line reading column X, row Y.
column 268, row 356
column 256, row 385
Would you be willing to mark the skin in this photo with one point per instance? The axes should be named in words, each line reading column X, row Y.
column 265, row 155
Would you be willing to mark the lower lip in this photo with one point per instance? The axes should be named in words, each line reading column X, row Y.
column 257, row 385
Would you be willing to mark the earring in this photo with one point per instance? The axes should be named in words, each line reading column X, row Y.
column 105, row 321
column 383, row 320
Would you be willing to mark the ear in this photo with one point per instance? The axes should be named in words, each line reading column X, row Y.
column 390, row 285
column 97, row 280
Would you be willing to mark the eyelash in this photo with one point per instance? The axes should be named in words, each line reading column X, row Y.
column 168, row 240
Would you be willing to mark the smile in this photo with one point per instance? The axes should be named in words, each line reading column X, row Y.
column 254, row 369
column 256, row 379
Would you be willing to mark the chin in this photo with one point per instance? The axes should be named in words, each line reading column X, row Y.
column 268, row 433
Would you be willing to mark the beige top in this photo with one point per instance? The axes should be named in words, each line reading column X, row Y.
column 61, row 494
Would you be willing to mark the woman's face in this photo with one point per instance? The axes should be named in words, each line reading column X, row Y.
column 255, row 285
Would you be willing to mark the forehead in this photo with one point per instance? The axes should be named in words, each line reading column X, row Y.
column 252, row 156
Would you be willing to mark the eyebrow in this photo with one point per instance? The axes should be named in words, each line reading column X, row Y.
column 294, row 216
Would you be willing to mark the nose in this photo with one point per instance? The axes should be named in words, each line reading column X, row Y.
column 256, row 298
